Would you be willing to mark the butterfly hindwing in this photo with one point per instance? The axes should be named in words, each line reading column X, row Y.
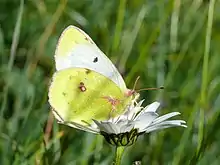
column 80, row 95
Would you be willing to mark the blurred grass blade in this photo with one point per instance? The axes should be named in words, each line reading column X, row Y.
column 185, row 47
column 15, row 41
column 205, row 75
column 143, row 54
column 133, row 36
column 174, row 25
column 46, row 34
column 119, row 25
column 179, row 152
column 16, row 35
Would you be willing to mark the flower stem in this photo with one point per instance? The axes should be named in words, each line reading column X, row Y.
column 118, row 154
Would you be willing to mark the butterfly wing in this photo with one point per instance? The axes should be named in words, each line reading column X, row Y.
column 76, row 49
column 79, row 95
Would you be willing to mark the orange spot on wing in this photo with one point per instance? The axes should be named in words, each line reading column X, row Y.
column 82, row 87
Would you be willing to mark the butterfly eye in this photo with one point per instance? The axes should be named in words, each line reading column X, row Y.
column 130, row 93
column 95, row 59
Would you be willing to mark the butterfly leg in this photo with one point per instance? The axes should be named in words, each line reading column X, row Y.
column 114, row 102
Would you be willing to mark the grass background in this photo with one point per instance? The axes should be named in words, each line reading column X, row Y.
column 170, row 43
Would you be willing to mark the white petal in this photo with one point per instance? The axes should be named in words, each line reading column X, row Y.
column 156, row 127
column 126, row 128
column 159, row 127
column 165, row 124
column 121, row 118
column 140, row 103
column 134, row 112
column 131, row 111
column 174, row 122
column 144, row 120
column 165, row 117
column 107, row 127
column 150, row 108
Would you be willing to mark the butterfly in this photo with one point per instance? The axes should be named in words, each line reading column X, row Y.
column 86, row 84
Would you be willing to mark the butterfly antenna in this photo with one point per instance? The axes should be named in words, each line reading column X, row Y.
column 148, row 89
column 135, row 83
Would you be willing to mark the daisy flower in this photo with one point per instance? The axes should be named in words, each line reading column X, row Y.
column 124, row 129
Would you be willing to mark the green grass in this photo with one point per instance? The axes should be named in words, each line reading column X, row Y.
column 170, row 43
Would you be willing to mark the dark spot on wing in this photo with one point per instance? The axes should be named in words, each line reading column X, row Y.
column 85, row 122
column 95, row 59
column 88, row 40
column 88, row 71
column 64, row 94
